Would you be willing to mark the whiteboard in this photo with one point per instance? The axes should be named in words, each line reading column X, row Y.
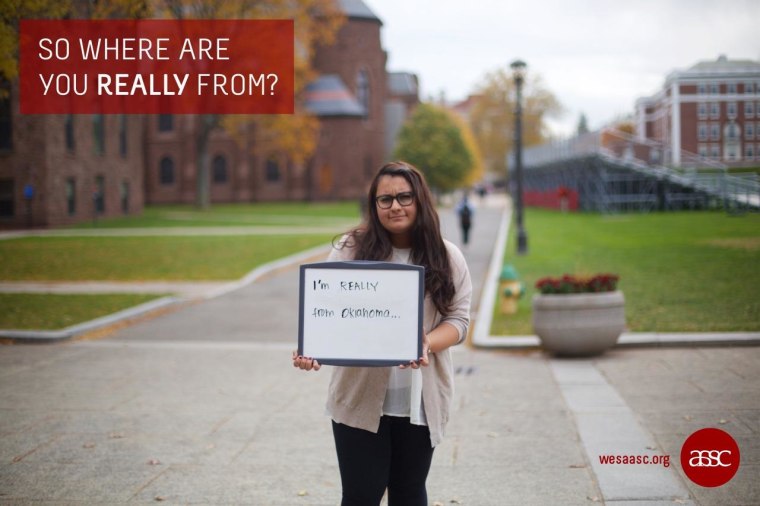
column 361, row 313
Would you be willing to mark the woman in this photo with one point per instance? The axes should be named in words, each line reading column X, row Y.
column 387, row 420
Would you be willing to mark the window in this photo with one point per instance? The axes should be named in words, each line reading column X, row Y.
column 749, row 152
column 731, row 88
column 702, row 132
column 71, row 196
column 272, row 170
column 219, row 169
column 701, row 89
column 732, row 132
column 702, row 151
column 166, row 170
column 715, row 151
column 165, row 122
column 6, row 198
column 749, row 87
column 6, row 115
column 362, row 91
column 99, row 134
column 123, row 135
column 714, row 110
column 749, row 131
column 714, row 88
column 731, row 110
column 714, row 132
column 124, row 194
column 68, row 133
column 749, row 109
column 702, row 110
column 99, row 195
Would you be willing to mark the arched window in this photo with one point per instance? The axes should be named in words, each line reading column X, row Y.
column 166, row 170
column 272, row 170
column 219, row 169
column 362, row 90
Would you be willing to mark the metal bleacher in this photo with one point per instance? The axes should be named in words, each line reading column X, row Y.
column 613, row 171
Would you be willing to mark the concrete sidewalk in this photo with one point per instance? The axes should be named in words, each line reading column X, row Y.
column 202, row 406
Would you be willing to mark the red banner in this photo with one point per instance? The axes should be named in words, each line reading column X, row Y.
column 156, row 66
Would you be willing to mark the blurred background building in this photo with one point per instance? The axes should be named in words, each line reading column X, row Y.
column 711, row 109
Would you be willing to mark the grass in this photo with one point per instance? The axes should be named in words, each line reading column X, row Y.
column 680, row 272
column 144, row 258
column 53, row 311
column 229, row 215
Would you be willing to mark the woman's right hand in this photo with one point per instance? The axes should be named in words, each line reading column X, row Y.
column 305, row 363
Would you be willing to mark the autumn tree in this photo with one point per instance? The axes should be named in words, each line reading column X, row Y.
column 316, row 22
column 432, row 141
column 492, row 117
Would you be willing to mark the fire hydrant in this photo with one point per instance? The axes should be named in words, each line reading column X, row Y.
column 510, row 289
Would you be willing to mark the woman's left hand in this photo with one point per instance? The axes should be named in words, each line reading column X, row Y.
column 424, row 360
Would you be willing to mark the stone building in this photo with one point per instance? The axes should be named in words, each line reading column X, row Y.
column 711, row 110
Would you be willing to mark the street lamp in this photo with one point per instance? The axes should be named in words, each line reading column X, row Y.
column 518, row 74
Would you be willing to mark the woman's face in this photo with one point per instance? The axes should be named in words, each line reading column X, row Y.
column 398, row 220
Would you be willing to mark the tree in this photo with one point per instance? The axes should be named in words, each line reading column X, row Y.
column 431, row 140
column 316, row 22
column 492, row 117
column 582, row 125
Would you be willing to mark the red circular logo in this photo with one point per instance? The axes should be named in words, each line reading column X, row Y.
column 710, row 457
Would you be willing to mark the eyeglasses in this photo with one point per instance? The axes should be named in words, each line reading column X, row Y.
column 386, row 201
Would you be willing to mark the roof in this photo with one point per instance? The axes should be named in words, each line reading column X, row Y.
column 722, row 66
column 329, row 96
column 356, row 9
column 402, row 83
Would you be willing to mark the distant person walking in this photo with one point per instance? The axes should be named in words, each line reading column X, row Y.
column 387, row 420
column 465, row 212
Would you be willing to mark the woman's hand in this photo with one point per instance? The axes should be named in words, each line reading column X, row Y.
column 305, row 363
column 423, row 361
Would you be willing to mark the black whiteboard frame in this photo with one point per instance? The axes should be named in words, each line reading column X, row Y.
column 361, row 265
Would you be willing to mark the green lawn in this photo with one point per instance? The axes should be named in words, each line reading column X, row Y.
column 166, row 257
column 229, row 215
column 145, row 258
column 680, row 272
column 53, row 311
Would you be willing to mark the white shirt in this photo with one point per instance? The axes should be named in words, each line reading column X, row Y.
column 404, row 394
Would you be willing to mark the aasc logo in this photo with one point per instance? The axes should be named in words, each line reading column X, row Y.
column 710, row 457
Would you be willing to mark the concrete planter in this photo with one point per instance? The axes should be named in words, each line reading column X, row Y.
column 579, row 324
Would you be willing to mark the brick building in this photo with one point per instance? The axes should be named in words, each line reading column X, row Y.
column 61, row 169
column 711, row 109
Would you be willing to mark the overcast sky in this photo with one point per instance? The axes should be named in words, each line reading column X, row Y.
column 597, row 57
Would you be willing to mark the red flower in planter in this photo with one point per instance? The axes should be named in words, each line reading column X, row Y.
column 576, row 284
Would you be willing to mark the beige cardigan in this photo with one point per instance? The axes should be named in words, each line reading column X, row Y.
column 356, row 394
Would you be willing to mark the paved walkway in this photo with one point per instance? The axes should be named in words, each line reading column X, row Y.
column 201, row 406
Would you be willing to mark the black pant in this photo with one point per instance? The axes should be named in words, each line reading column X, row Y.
column 398, row 458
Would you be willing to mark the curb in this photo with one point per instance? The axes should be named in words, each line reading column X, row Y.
column 481, row 337
column 52, row 336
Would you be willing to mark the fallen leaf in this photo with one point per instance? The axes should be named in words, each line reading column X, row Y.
column 455, row 501
column 437, row 503
column 302, row 493
column 593, row 499
column 493, row 434
column 159, row 498
column 154, row 462
column 651, row 447
column 577, row 466
column 88, row 445
column 116, row 435
column 687, row 417
column 722, row 421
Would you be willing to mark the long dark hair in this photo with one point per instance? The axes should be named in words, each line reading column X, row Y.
column 371, row 241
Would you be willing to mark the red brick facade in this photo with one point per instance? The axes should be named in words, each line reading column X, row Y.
column 711, row 110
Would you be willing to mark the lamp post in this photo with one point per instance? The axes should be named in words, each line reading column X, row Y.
column 518, row 74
